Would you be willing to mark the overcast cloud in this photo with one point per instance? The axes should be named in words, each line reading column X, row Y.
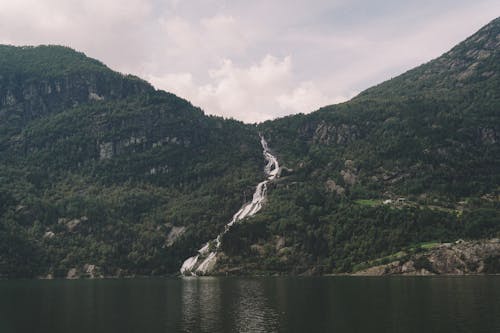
column 251, row 60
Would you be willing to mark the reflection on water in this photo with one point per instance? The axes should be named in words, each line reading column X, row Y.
column 338, row 304
column 201, row 304
column 252, row 312
column 244, row 308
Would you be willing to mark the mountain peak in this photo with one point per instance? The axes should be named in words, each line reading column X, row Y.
column 46, row 61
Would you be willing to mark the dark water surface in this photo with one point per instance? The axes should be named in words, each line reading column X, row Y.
column 328, row 304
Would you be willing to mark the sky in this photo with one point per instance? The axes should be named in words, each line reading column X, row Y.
column 251, row 60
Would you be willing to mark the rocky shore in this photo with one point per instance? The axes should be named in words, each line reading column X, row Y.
column 459, row 258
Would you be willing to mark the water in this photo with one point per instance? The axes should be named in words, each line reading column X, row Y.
column 329, row 304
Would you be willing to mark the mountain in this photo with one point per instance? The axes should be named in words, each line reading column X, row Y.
column 410, row 161
column 102, row 175
column 101, row 169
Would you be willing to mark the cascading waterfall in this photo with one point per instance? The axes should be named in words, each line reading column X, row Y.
column 204, row 262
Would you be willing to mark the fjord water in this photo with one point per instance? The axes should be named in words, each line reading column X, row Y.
column 328, row 304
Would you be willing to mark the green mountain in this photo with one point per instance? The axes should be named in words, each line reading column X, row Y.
column 101, row 174
column 427, row 143
column 100, row 168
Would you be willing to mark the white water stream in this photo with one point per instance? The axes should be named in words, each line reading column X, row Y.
column 204, row 262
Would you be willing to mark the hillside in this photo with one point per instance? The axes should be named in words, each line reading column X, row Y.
column 410, row 161
column 101, row 169
column 102, row 175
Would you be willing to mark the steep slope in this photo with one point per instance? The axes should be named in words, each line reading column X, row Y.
column 425, row 143
column 98, row 169
column 205, row 261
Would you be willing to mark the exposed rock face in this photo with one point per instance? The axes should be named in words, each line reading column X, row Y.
column 349, row 173
column 72, row 274
column 280, row 243
column 95, row 97
column 91, row 271
column 331, row 186
column 36, row 98
column 459, row 258
column 335, row 134
column 110, row 149
column 49, row 234
column 174, row 234
column 395, row 268
column 349, row 177
column 71, row 224
column 88, row 271
column 105, row 150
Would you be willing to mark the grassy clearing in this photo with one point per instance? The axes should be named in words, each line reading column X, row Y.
column 429, row 245
column 369, row 202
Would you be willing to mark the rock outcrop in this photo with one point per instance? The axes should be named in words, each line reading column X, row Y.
column 89, row 271
column 335, row 134
column 459, row 258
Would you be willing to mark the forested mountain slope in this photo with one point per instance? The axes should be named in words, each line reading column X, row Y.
column 99, row 168
column 427, row 143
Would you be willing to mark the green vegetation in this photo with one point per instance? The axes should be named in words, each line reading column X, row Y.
column 428, row 245
column 427, row 142
column 46, row 62
column 99, row 168
column 368, row 202
column 105, row 180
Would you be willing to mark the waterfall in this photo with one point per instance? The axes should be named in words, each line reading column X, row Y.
column 204, row 262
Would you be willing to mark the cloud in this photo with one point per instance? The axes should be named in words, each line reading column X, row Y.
column 306, row 98
column 62, row 18
column 113, row 31
column 251, row 60
column 181, row 84
column 259, row 92
column 201, row 43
